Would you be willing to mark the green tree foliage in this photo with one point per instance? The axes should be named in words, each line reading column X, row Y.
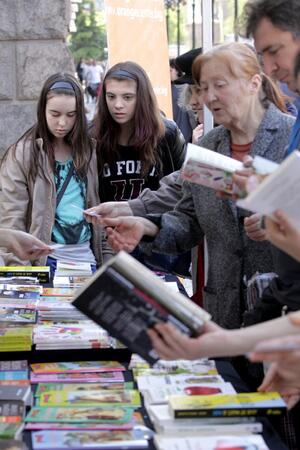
column 89, row 41
column 172, row 19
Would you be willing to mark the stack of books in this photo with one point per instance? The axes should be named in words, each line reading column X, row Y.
column 87, row 402
column 79, row 335
column 15, row 395
column 71, row 274
column 189, row 400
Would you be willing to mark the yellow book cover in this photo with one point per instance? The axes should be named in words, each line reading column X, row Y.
column 125, row 398
column 227, row 405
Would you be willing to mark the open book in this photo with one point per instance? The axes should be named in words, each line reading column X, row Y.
column 280, row 190
column 209, row 168
column 126, row 298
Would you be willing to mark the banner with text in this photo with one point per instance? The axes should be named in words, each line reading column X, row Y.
column 136, row 31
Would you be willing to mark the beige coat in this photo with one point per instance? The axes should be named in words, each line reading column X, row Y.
column 30, row 206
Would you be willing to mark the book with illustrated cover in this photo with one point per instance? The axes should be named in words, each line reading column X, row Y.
column 17, row 315
column 44, row 388
column 41, row 272
column 77, row 366
column 278, row 191
column 10, row 431
column 196, row 371
column 58, row 292
column 135, row 421
column 7, row 294
column 159, row 395
column 13, row 375
column 126, row 298
column 70, row 281
column 91, row 377
column 129, row 398
column 223, row 405
column 210, row 168
column 12, row 411
column 13, row 365
column 80, row 414
column 90, row 439
column 220, row 442
column 21, row 287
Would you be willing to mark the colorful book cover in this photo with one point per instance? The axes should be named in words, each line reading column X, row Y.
column 82, row 387
column 11, row 411
column 17, row 315
column 244, row 404
column 21, row 287
column 58, row 292
column 210, row 168
column 92, row 440
column 158, row 395
column 130, row 398
column 10, row 430
column 7, row 294
column 13, row 375
column 80, row 414
column 77, row 367
column 136, row 421
column 14, row 382
column 108, row 377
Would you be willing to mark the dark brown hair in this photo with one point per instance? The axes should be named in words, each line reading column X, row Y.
column 148, row 123
column 77, row 138
column 243, row 63
column 283, row 14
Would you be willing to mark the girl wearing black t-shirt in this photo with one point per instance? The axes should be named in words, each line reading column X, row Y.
column 136, row 146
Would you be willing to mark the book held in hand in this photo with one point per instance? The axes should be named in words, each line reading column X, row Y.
column 210, row 168
column 280, row 190
column 126, row 299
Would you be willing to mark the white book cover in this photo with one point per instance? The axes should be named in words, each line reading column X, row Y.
column 148, row 382
column 73, row 266
column 209, row 168
column 220, row 442
column 280, row 190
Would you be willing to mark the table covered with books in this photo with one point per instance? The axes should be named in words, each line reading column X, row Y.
column 65, row 383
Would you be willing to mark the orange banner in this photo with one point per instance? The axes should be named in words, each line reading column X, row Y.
column 136, row 31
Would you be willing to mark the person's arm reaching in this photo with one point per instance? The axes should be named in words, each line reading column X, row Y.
column 125, row 233
column 23, row 245
column 216, row 341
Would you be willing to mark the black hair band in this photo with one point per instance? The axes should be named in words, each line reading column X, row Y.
column 122, row 74
column 62, row 85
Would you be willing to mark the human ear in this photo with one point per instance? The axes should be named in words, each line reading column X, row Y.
column 255, row 83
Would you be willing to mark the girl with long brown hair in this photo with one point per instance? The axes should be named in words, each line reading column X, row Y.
column 49, row 176
column 136, row 145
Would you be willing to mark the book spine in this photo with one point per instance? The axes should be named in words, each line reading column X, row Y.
column 230, row 412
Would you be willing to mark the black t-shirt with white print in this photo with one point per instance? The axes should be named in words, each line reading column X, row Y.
column 122, row 180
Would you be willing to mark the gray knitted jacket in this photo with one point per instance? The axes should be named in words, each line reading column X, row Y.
column 231, row 254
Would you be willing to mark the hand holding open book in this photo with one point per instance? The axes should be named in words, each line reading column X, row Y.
column 126, row 299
